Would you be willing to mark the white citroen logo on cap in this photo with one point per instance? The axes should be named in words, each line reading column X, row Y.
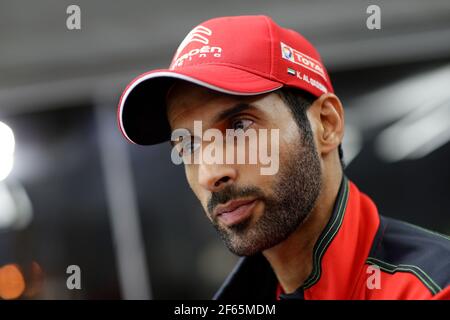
column 196, row 34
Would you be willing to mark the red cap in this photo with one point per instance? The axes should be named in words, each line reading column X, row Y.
column 243, row 55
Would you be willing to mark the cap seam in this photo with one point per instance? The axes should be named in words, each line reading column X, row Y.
column 271, row 45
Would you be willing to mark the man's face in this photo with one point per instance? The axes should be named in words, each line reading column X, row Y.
column 251, row 212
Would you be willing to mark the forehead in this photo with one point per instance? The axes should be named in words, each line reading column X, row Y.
column 186, row 101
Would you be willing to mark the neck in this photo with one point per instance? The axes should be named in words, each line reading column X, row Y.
column 292, row 259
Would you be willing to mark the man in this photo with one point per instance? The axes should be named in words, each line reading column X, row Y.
column 305, row 230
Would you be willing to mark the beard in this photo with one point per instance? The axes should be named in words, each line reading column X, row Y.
column 294, row 193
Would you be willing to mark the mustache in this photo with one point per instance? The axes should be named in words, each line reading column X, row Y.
column 232, row 192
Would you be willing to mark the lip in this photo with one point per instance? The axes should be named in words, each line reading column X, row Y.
column 234, row 211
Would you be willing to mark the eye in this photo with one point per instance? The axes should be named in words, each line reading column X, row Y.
column 241, row 124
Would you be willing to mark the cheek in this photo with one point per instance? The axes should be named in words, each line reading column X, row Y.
column 289, row 135
column 191, row 177
column 250, row 176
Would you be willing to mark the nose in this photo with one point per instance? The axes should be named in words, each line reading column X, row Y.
column 216, row 177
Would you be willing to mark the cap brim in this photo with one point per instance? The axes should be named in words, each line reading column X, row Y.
column 142, row 106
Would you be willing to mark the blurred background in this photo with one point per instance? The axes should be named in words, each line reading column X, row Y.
column 74, row 192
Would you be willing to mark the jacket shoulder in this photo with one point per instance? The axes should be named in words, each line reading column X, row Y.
column 400, row 247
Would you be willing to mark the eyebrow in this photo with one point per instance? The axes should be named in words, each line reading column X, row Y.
column 228, row 113
column 236, row 109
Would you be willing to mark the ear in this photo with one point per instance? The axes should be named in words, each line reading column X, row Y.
column 327, row 120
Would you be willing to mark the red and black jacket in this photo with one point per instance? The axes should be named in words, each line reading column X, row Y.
column 412, row 263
